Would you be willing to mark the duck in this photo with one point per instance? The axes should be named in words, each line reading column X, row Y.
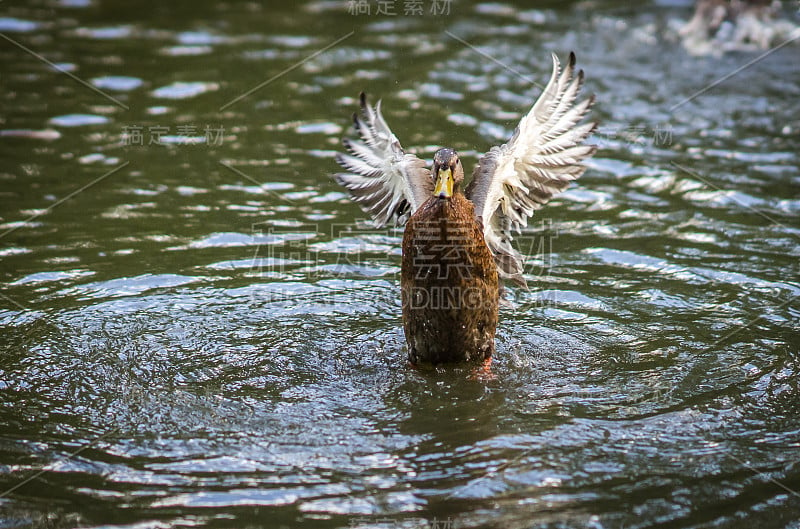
column 457, row 246
column 718, row 26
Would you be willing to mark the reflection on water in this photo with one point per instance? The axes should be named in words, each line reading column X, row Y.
column 199, row 328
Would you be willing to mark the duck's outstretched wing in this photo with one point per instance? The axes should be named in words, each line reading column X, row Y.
column 383, row 179
column 540, row 160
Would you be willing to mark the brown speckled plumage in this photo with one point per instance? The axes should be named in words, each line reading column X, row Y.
column 449, row 284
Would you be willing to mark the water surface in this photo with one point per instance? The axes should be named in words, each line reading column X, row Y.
column 198, row 328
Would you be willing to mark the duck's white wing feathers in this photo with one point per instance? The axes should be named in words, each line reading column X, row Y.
column 384, row 180
column 539, row 161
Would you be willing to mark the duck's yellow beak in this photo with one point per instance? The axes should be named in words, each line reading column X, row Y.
column 444, row 183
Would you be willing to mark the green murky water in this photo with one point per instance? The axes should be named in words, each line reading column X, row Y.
column 197, row 331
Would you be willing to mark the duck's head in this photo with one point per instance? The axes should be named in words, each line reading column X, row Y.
column 447, row 173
